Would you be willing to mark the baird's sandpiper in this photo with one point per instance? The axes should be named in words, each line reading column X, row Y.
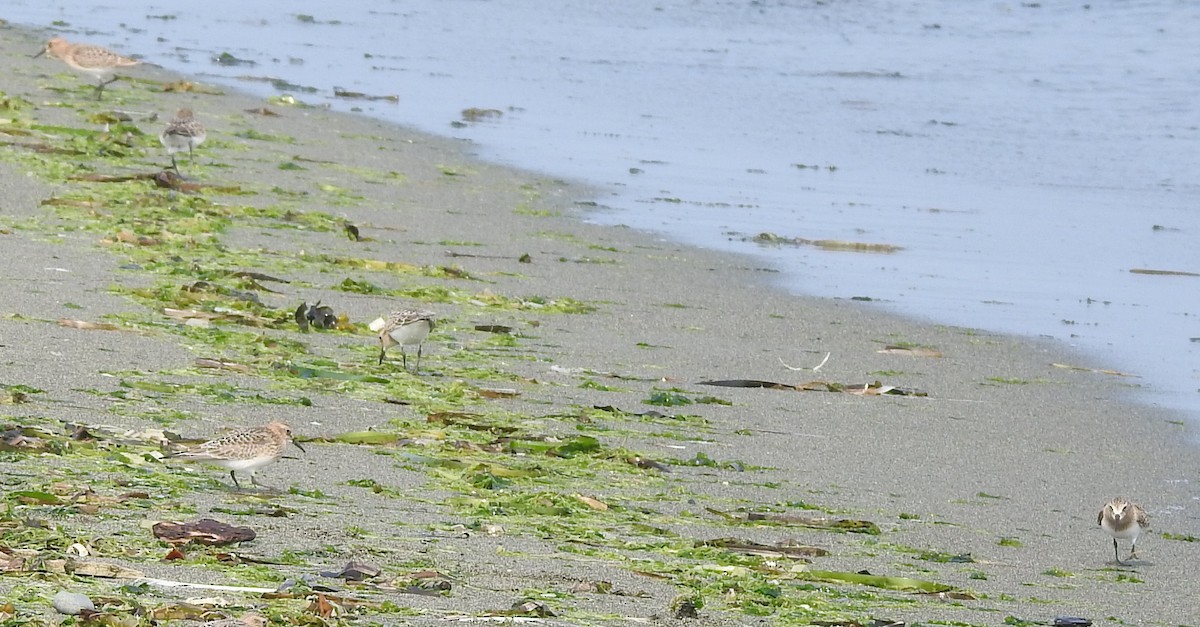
column 1123, row 519
column 246, row 450
column 405, row 328
column 95, row 61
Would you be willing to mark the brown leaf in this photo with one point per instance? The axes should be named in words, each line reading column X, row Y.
column 174, row 555
column 321, row 606
column 263, row 111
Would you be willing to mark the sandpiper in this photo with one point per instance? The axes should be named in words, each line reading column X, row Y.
column 184, row 132
column 1123, row 519
column 405, row 327
column 95, row 61
column 246, row 450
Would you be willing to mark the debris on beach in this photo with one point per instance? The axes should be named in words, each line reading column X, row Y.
column 811, row 522
column 824, row 244
column 915, row 351
column 862, row 389
column 1163, row 272
column 786, row 549
column 204, row 531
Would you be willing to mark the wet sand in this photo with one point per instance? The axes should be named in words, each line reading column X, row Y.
column 1007, row 459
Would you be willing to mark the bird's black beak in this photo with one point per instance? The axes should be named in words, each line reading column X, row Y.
column 43, row 51
column 298, row 446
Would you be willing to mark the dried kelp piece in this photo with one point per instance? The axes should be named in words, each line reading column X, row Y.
column 354, row 571
column 497, row 392
column 352, row 232
column 1163, row 272
column 865, row 389
column 258, row 276
column 552, row 446
column 1071, row 621
column 1116, row 373
column 263, row 111
column 466, row 420
column 494, row 328
column 220, row 364
column 338, row 92
column 812, row 522
column 645, row 414
column 749, row 383
column 902, row 584
column 915, row 351
column 88, row 326
column 204, row 531
column 874, row 622
column 837, row 524
column 827, row 244
column 785, row 549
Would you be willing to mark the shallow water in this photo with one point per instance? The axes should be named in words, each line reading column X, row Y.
column 1025, row 157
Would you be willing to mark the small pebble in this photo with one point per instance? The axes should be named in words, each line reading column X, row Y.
column 72, row 603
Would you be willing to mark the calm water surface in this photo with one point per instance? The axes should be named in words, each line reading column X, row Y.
column 1026, row 158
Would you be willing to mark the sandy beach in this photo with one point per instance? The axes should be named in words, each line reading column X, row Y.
column 559, row 455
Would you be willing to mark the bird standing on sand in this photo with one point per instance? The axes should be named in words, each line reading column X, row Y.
column 95, row 61
column 405, row 327
column 1123, row 519
column 184, row 132
column 246, row 450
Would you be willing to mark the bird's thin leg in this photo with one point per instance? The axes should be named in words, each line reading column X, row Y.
column 99, row 90
column 404, row 358
column 419, row 358
column 1116, row 554
column 233, row 476
column 381, row 352
column 174, row 165
column 1133, row 551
